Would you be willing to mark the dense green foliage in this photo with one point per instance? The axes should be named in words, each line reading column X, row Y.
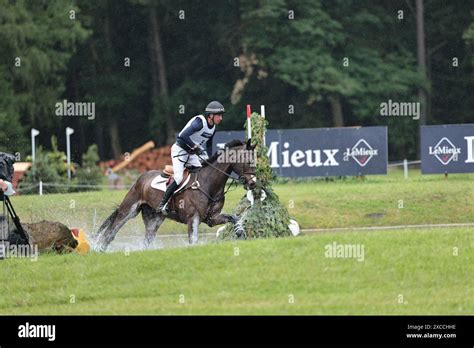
column 89, row 173
column 264, row 218
column 263, row 171
column 37, row 41
column 51, row 168
column 151, row 65
column 42, row 170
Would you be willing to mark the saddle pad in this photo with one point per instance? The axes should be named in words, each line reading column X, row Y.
column 159, row 183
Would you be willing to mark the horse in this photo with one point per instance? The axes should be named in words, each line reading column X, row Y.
column 200, row 201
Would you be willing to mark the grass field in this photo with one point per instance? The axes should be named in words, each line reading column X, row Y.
column 428, row 270
column 375, row 201
column 255, row 277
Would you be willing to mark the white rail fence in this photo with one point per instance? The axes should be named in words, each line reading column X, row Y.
column 405, row 163
column 42, row 187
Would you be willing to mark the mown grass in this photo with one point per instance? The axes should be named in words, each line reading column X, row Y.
column 255, row 277
column 373, row 201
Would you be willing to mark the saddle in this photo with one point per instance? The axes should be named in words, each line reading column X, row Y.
column 162, row 181
column 168, row 173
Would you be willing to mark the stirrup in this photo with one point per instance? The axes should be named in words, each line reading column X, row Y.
column 164, row 209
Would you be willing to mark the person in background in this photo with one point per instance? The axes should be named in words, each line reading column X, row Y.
column 113, row 178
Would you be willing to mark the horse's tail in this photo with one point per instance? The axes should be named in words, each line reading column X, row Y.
column 106, row 224
column 110, row 220
column 99, row 238
column 128, row 209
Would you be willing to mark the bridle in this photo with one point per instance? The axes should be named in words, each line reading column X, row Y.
column 242, row 179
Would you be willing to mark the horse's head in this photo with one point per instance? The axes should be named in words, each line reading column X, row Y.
column 243, row 162
column 242, row 159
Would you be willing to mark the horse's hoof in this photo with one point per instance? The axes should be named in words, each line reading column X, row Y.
column 239, row 233
column 234, row 219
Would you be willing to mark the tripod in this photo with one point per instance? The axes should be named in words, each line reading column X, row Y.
column 4, row 228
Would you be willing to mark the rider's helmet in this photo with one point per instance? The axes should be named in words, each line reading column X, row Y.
column 214, row 107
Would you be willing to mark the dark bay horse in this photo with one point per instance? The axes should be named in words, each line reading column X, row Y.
column 201, row 201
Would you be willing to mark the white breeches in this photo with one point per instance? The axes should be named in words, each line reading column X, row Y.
column 181, row 159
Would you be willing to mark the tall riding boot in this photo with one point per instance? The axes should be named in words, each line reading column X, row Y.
column 166, row 197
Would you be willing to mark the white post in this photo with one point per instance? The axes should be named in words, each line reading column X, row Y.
column 34, row 133
column 41, row 188
column 69, row 131
column 405, row 168
column 249, row 125
column 262, row 111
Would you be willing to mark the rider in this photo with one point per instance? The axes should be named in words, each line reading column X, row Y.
column 189, row 143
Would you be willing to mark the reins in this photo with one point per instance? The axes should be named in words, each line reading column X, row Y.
column 215, row 200
column 196, row 186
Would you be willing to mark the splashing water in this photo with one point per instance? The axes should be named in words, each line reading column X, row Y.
column 135, row 242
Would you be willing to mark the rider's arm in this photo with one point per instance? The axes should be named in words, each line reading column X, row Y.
column 209, row 146
column 195, row 126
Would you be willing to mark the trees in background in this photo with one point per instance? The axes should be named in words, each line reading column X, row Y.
column 37, row 41
column 151, row 65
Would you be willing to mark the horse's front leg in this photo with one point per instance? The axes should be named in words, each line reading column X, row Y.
column 193, row 225
column 216, row 218
column 219, row 219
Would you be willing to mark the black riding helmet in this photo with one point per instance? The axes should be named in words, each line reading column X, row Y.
column 214, row 107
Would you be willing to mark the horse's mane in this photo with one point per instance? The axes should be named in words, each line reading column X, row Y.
column 230, row 144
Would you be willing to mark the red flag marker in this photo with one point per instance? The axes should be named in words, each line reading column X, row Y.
column 249, row 125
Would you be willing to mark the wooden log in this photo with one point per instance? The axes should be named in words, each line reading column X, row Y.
column 133, row 155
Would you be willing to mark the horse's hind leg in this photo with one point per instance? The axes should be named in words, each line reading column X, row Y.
column 124, row 213
column 152, row 221
column 193, row 225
